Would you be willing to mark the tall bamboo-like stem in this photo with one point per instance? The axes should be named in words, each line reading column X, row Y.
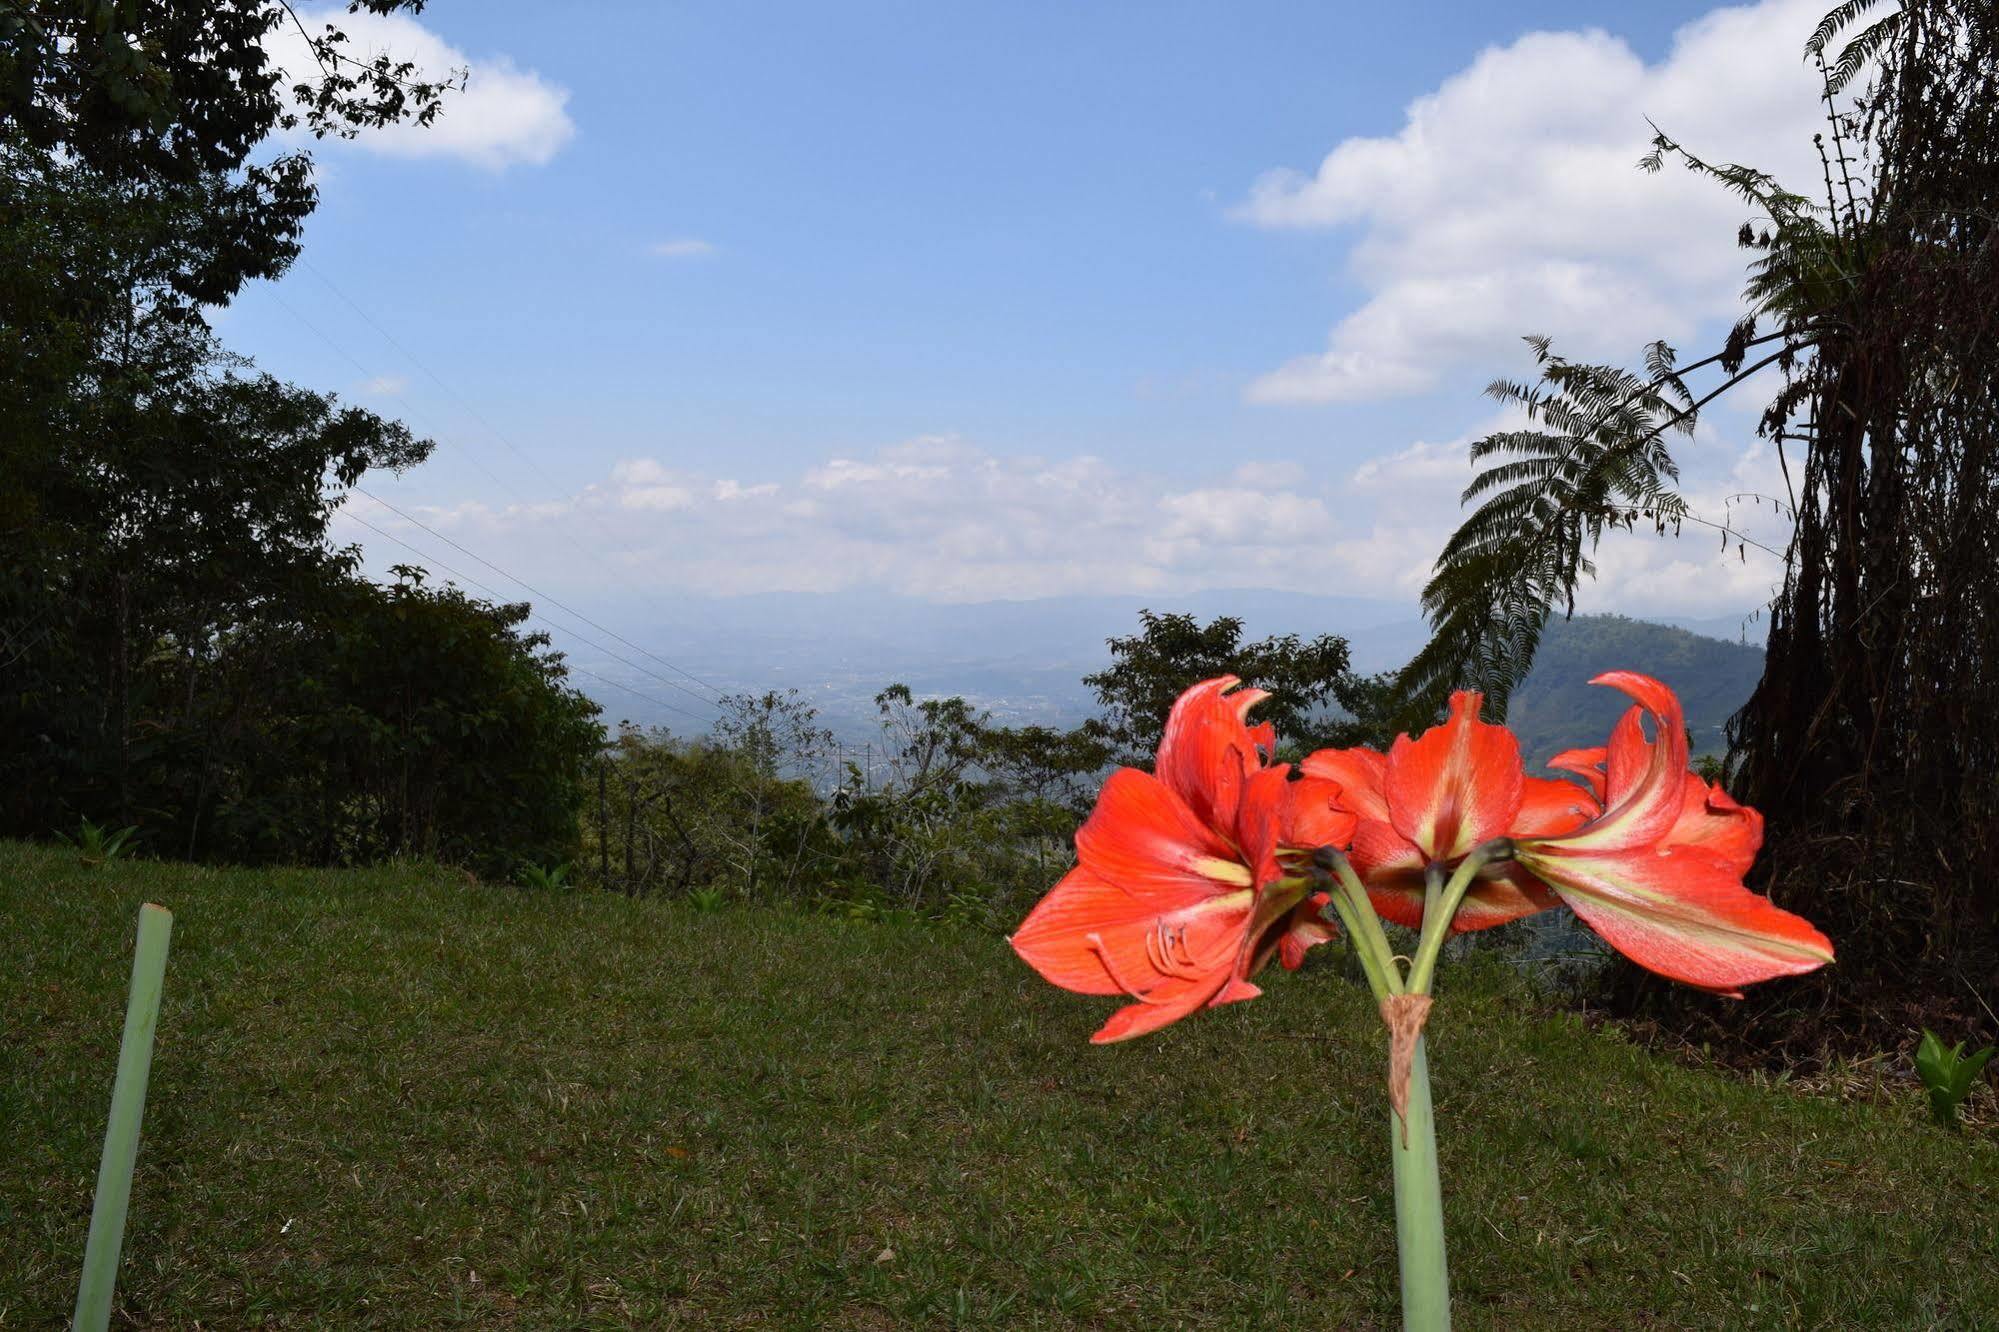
column 121, row 1138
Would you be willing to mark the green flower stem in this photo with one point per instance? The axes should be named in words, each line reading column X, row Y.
column 1376, row 982
column 1362, row 922
column 1419, row 1208
column 1438, row 911
column 1412, row 1137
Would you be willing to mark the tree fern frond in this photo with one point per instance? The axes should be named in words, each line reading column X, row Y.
column 1840, row 16
column 1862, row 49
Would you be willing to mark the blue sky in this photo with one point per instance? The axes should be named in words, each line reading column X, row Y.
column 963, row 302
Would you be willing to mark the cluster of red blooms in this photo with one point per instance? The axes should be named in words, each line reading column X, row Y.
column 1194, row 875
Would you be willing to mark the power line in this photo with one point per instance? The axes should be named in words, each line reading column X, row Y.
column 434, row 377
column 490, row 474
column 408, row 406
column 498, row 597
column 473, row 411
column 533, row 591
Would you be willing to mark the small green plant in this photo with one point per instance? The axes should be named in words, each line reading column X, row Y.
column 95, row 845
column 1949, row 1075
column 549, row 880
column 706, row 899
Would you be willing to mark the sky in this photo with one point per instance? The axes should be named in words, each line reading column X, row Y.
column 965, row 303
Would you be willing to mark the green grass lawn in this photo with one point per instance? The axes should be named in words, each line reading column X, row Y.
column 392, row 1099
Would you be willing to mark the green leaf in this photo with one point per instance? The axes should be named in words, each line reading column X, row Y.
column 1930, row 1060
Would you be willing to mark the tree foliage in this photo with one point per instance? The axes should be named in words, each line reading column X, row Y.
column 160, row 98
column 1864, row 741
column 963, row 819
column 181, row 645
column 1879, row 307
column 1593, row 458
column 1149, row 669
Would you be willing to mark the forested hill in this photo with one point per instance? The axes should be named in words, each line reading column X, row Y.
column 1557, row 708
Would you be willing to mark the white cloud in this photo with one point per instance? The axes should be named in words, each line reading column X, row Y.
column 504, row 116
column 1509, row 202
column 643, row 483
column 385, row 386
column 685, row 247
column 942, row 519
column 1408, row 501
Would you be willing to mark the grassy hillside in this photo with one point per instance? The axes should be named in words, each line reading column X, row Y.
column 392, row 1099
column 1556, row 707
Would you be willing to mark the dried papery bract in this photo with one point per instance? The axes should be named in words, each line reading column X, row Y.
column 1404, row 1016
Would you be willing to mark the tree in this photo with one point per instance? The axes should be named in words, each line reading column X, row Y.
column 155, row 498
column 928, row 742
column 160, row 97
column 1879, row 307
column 1047, row 767
column 439, row 727
column 779, row 734
column 180, row 643
column 777, row 740
column 1171, row 651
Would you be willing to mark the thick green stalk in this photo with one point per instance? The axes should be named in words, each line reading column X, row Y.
column 1419, row 1208
column 121, row 1139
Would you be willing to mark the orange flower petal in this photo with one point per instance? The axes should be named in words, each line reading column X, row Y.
column 1457, row 785
column 1145, row 839
column 1711, row 819
column 1683, row 913
column 1502, row 894
column 1142, row 1018
column 1092, row 937
column 1627, row 757
column 1549, row 805
column 1308, row 929
column 1360, row 774
column 1314, row 815
column 1587, row 764
column 1391, row 867
column 1282, row 816
column 1055, row 937
column 1207, row 750
column 1644, row 779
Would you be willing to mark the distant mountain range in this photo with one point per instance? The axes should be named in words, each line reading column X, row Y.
column 1556, row 708
column 1024, row 660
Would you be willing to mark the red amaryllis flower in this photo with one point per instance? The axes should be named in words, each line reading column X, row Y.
column 1658, row 873
column 1431, row 800
column 1180, row 894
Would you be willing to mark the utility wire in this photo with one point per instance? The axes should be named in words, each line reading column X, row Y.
column 408, row 406
column 536, row 592
column 492, row 476
column 498, row 597
column 434, row 377
column 473, row 411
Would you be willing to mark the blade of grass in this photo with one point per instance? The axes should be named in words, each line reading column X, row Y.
column 121, row 1138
